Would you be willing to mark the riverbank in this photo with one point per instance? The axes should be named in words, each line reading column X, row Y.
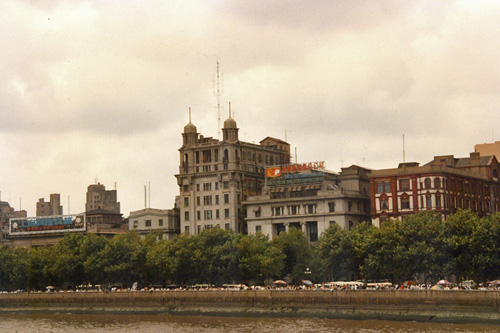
column 458, row 306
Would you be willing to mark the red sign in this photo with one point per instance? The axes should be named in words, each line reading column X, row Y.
column 294, row 168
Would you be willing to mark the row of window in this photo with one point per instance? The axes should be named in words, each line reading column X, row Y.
column 426, row 202
column 207, row 200
column 207, row 214
column 453, row 184
column 148, row 223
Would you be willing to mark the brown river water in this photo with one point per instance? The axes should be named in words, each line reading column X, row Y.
column 60, row 322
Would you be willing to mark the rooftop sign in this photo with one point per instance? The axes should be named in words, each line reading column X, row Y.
column 46, row 224
column 278, row 171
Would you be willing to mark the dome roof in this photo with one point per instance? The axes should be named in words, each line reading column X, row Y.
column 190, row 128
column 230, row 123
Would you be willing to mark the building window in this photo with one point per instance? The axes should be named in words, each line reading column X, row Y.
column 217, row 214
column 438, row 200
column 331, row 207
column 349, row 206
column 148, row 223
column 198, row 187
column 380, row 187
column 387, row 187
column 207, row 186
column 207, row 200
column 199, row 229
column 405, row 202
column 437, row 183
column 160, row 222
column 186, row 216
column 428, row 201
column 258, row 228
column 293, row 210
column 313, row 231
column 186, row 229
column 310, row 209
column 384, row 204
column 198, row 201
column 216, row 185
column 226, row 226
column 404, row 185
column 226, row 213
column 427, row 183
column 186, row 201
column 207, row 156
column 332, row 222
column 198, row 215
column 185, row 188
column 207, row 214
column 217, row 199
column 277, row 211
column 136, row 224
column 225, row 184
column 226, row 198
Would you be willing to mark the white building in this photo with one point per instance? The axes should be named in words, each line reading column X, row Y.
column 164, row 221
column 310, row 199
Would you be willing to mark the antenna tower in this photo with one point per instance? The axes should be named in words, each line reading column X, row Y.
column 218, row 91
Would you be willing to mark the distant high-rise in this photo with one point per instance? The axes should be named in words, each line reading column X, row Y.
column 53, row 207
column 100, row 199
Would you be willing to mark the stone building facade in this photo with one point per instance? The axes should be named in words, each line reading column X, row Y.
column 53, row 207
column 165, row 222
column 216, row 176
column 310, row 200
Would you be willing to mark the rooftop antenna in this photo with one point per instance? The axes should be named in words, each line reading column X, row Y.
column 218, row 90
column 190, row 114
column 404, row 157
column 145, row 198
column 149, row 195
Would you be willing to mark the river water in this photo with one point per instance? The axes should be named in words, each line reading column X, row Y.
column 193, row 324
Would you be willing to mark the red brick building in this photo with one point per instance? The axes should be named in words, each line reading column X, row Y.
column 444, row 185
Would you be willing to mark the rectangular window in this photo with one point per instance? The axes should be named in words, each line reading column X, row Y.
column 217, row 199
column 438, row 200
column 198, row 215
column 428, row 201
column 186, row 201
column 310, row 209
column 332, row 222
column 226, row 226
column 198, row 201
column 216, row 155
column 160, row 222
column 197, row 157
column 207, row 168
column 293, row 210
column 217, row 215
column 380, row 187
column 207, row 156
column 186, row 216
column 331, row 207
column 207, row 214
column 405, row 203
column 207, row 200
column 198, row 187
column 387, row 187
column 404, row 185
column 186, row 229
column 258, row 228
column 148, row 223
column 225, row 184
column 277, row 211
column 216, row 185
column 199, row 229
column 136, row 224
column 226, row 213
column 226, row 198
column 185, row 188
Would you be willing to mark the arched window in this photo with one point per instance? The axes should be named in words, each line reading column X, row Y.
column 427, row 183
column 437, row 182
column 405, row 201
column 384, row 203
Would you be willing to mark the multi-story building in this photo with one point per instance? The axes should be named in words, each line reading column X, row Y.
column 163, row 221
column 488, row 149
column 215, row 176
column 100, row 198
column 6, row 213
column 307, row 197
column 444, row 185
column 53, row 207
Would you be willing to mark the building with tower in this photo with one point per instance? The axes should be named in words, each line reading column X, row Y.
column 216, row 176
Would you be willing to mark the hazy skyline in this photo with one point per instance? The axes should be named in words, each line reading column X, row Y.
column 101, row 89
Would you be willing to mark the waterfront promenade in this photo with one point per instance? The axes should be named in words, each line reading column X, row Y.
column 419, row 305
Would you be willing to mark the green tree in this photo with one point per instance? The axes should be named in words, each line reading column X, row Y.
column 297, row 251
column 331, row 253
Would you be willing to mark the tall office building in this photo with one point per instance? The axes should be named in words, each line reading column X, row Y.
column 216, row 176
column 53, row 207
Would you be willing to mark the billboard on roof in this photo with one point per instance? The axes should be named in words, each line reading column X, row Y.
column 46, row 224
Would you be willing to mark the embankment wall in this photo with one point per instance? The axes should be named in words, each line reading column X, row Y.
column 421, row 305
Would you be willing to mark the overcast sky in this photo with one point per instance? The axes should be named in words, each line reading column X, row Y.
column 101, row 89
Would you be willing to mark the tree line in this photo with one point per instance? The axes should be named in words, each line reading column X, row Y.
column 420, row 246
